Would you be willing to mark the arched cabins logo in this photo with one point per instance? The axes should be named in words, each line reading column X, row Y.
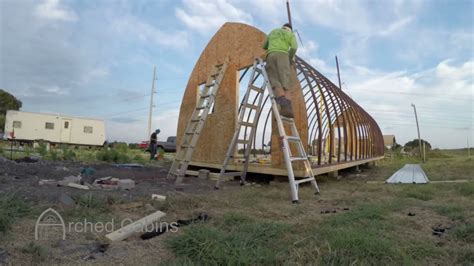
column 50, row 225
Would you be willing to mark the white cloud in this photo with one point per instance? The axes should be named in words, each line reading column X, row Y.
column 358, row 17
column 309, row 53
column 395, row 26
column 443, row 96
column 51, row 9
column 307, row 49
column 148, row 33
column 207, row 16
column 96, row 73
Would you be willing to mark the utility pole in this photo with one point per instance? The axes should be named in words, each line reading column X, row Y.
column 153, row 91
column 289, row 13
column 468, row 148
column 418, row 128
column 424, row 151
column 338, row 74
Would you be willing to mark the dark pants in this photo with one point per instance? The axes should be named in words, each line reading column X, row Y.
column 152, row 151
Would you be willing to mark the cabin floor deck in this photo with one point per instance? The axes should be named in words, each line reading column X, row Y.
column 265, row 168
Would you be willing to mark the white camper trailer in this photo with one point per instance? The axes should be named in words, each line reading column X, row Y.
column 26, row 126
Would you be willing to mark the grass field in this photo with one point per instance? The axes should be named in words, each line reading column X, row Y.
column 367, row 223
column 118, row 154
column 258, row 225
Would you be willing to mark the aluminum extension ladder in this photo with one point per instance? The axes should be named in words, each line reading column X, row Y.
column 251, row 121
column 196, row 123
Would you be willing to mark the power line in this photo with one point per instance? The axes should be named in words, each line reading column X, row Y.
column 462, row 119
column 445, row 96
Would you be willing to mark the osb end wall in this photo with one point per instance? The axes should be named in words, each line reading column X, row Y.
column 239, row 43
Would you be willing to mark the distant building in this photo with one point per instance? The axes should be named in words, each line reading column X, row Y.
column 389, row 141
column 31, row 127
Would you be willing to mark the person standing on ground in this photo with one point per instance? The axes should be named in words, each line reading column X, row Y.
column 281, row 47
column 152, row 145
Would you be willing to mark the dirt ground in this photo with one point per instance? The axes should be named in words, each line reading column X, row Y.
column 25, row 177
column 356, row 214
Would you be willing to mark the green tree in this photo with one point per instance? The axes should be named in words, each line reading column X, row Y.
column 7, row 102
column 414, row 144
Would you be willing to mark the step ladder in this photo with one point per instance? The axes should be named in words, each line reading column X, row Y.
column 196, row 123
column 259, row 69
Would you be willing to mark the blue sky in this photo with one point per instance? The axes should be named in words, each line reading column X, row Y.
column 96, row 58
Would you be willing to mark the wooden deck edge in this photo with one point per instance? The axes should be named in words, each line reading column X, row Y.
column 269, row 170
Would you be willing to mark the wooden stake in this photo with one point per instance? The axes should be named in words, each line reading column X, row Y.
column 135, row 227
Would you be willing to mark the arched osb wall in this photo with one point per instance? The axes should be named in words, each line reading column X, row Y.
column 323, row 113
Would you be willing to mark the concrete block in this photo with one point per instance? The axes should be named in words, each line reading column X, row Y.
column 204, row 174
column 333, row 174
column 126, row 183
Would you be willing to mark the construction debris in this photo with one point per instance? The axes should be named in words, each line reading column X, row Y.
column 126, row 183
column 158, row 197
column 107, row 182
column 69, row 179
column 439, row 230
column 50, row 182
column 97, row 252
column 202, row 217
column 87, row 171
column 74, row 185
column 136, row 226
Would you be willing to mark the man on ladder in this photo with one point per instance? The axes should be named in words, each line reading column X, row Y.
column 281, row 48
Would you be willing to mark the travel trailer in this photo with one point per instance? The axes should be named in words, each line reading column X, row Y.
column 31, row 127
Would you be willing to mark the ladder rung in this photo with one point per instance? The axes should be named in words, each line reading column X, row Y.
column 243, row 141
column 201, row 107
column 293, row 138
column 247, row 124
column 257, row 89
column 187, row 146
column 286, row 119
column 232, row 174
column 304, row 180
column 251, row 106
column 206, row 96
column 190, row 133
column 298, row 159
column 196, row 120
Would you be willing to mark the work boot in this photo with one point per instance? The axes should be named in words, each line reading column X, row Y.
column 290, row 109
column 284, row 107
column 279, row 101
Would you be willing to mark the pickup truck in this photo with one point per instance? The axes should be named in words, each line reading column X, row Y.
column 169, row 145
